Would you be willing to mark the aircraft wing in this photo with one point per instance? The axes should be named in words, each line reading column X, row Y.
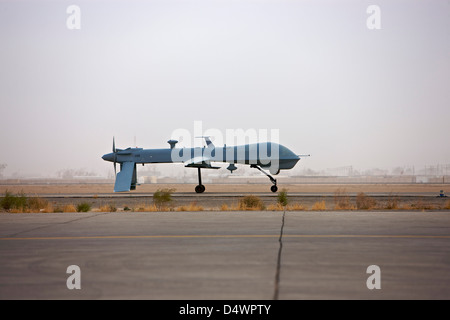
column 200, row 162
column 124, row 178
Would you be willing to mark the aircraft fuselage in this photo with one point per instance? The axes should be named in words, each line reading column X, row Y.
column 261, row 154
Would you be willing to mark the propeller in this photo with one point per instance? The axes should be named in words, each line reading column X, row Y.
column 115, row 156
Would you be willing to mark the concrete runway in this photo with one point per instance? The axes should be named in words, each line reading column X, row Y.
column 225, row 255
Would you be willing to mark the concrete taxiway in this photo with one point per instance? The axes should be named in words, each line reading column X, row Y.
column 225, row 255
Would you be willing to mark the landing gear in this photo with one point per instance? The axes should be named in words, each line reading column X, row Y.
column 273, row 188
column 200, row 188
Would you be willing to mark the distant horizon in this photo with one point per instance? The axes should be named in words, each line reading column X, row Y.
column 174, row 170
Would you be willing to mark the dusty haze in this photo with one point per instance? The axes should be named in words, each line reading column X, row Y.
column 139, row 70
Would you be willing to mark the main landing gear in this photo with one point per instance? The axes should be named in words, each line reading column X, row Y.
column 273, row 188
column 200, row 188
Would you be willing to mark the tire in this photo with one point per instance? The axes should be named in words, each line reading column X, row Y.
column 200, row 188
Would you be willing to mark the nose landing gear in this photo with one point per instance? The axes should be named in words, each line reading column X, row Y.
column 273, row 188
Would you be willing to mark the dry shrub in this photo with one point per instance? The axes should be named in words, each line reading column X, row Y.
column 342, row 200
column 148, row 208
column 48, row 208
column 319, row 206
column 107, row 208
column 193, row 206
column 37, row 203
column 233, row 207
column 364, row 202
column 420, row 205
column 103, row 208
column 408, row 206
column 275, row 207
column 162, row 198
column 296, row 207
column 69, row 208
column 392, row 202
column 447, row 205
column 291, row 207
column 251, row 203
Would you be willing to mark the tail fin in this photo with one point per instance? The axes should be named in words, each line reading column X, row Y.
column 126, row 179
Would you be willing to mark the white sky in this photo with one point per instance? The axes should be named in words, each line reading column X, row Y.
column 312, row 69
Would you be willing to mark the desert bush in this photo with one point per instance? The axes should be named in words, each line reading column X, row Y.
column 282, row 198
column 108, row 208
column 319, row 206
column 146, row 208
column 69, row 208
column 447, row 205
column 276, row 207
column 251, row 203
column 193, row 206
column 420, row 205
column 296, row 207
column 364, row 202
column 232, row 207
column 83, row 207
column 20, row 203
column 37, row 203
column 48, row 208
column 342, row 200
column 162, row 197
column 17, row 202
column 392, row 202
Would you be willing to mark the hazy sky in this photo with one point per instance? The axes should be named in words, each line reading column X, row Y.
column 344, row 93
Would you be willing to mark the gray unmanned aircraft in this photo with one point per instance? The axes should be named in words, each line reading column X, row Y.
column 269, row 155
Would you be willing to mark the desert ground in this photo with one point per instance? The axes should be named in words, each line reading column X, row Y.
column 86, row 188
column 216, row 196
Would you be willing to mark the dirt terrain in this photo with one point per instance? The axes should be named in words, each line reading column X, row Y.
column 430, row 189
column 332, row 196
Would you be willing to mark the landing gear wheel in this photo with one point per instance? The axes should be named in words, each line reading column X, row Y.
column 200, row 188
column 273, row 188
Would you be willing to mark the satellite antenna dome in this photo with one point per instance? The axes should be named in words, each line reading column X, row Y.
column 172, row 143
